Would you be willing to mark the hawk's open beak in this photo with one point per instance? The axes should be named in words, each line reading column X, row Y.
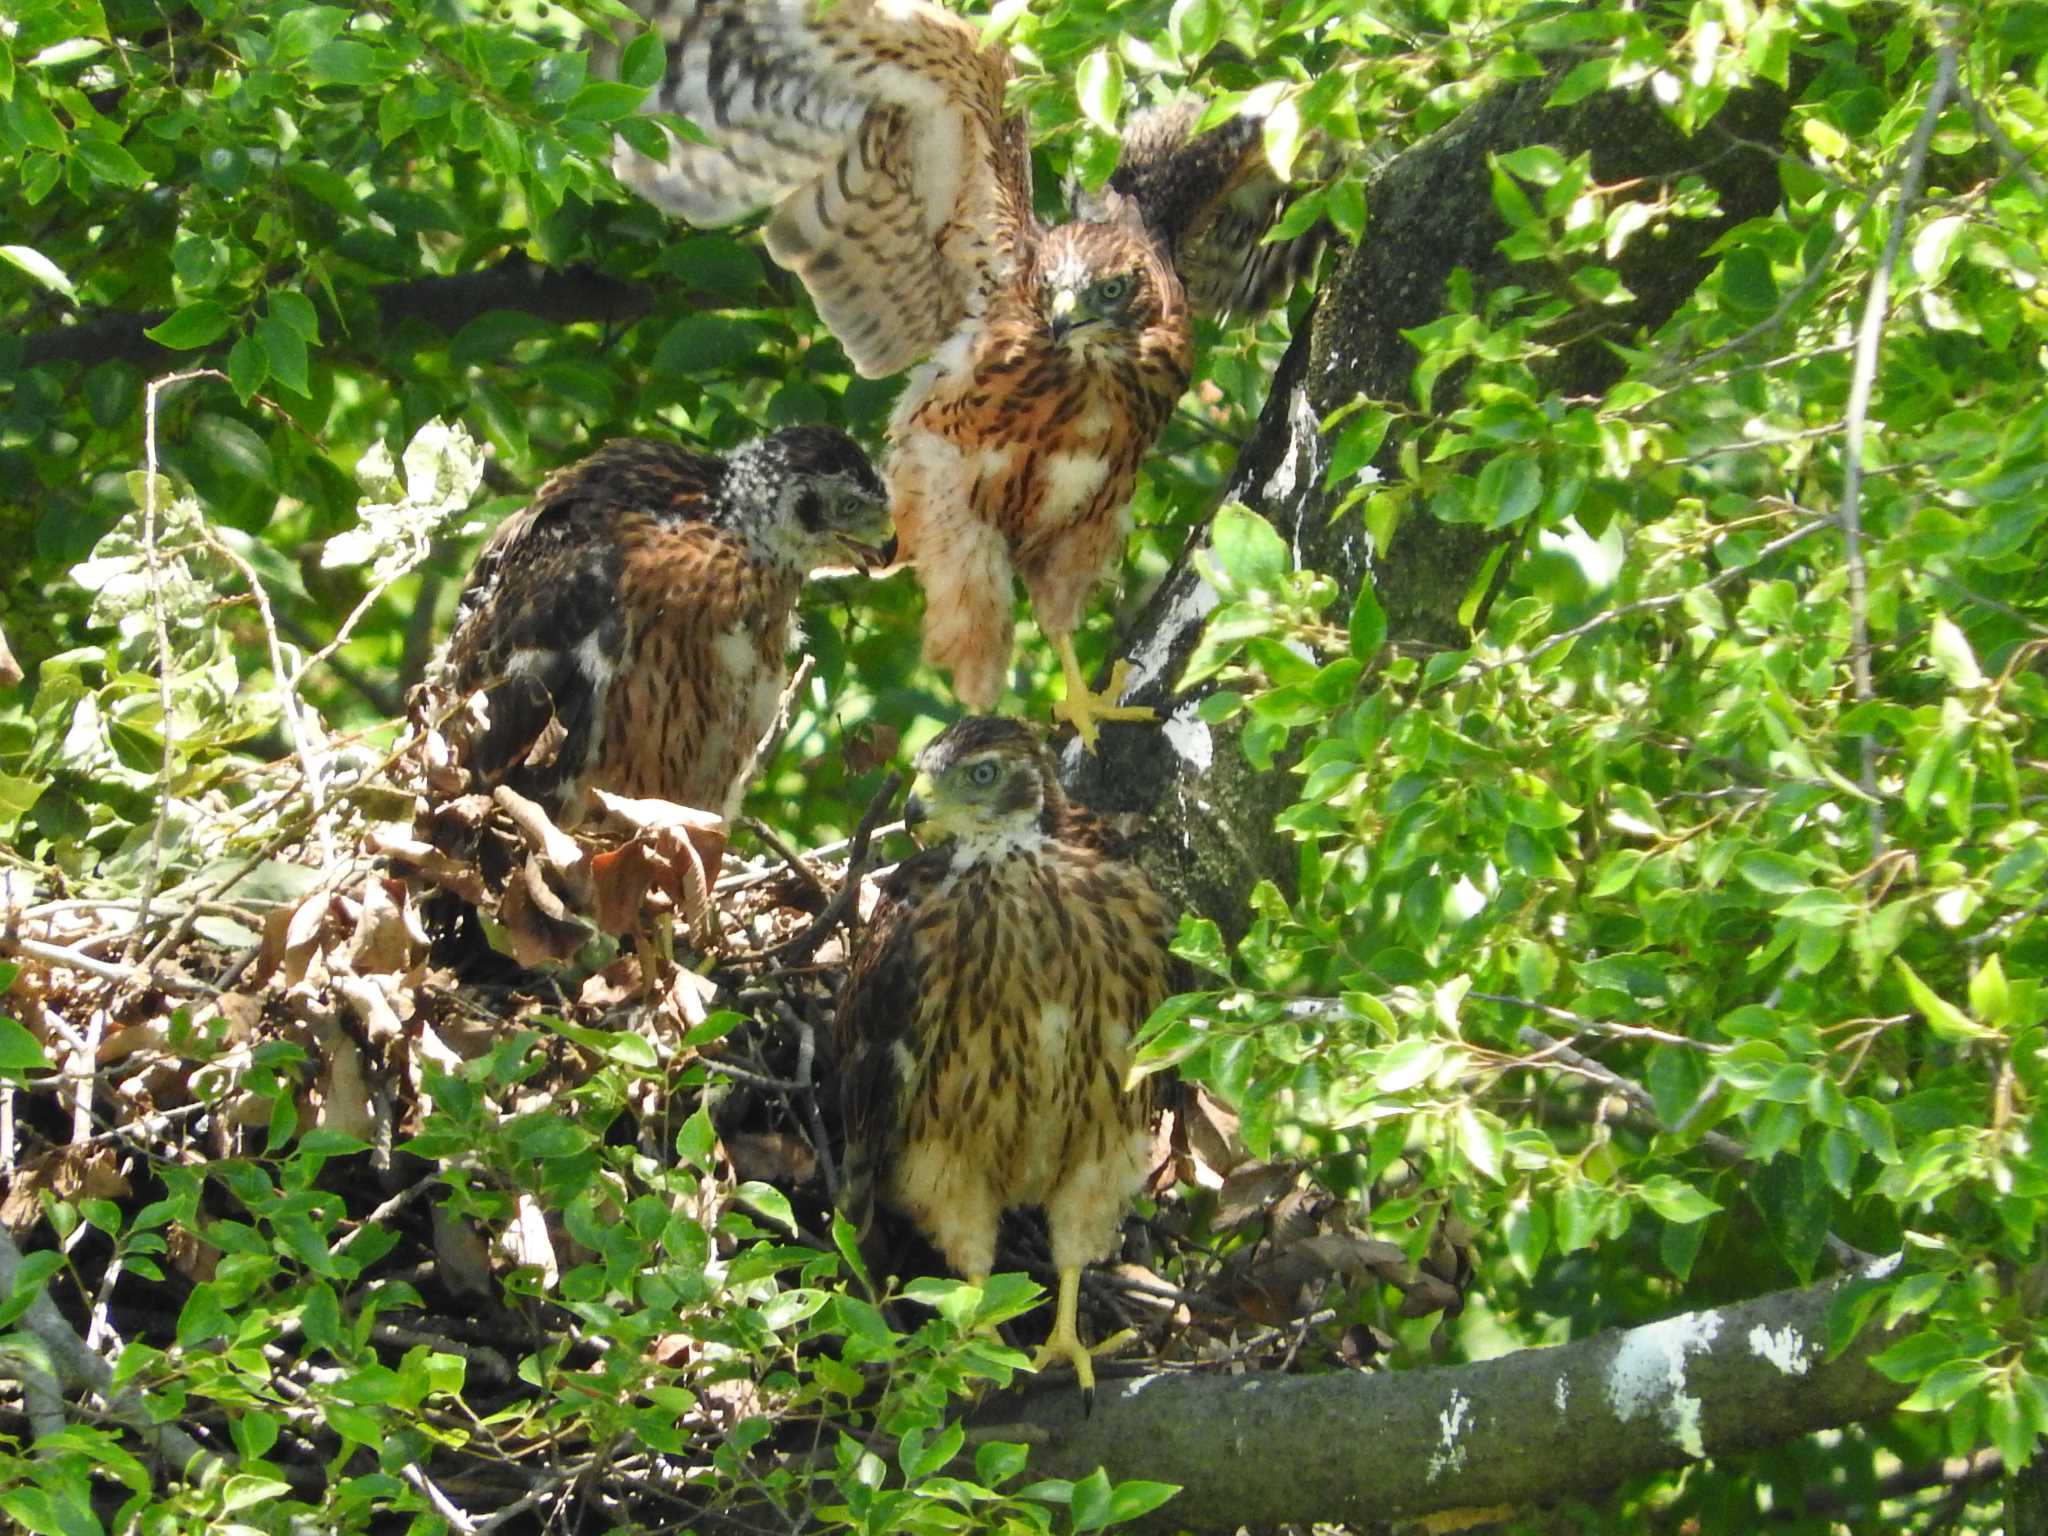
column 873, row 557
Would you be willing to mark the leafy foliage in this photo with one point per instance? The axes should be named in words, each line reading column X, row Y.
column 1679, row 933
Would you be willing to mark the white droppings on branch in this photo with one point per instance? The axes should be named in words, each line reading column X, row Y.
column 1303, row 433
column 1453, row 1421
column 1562, row 1396
column 1648, row 1376
column 1188, row 734
column 1785, row 1348
column 1878, row 1268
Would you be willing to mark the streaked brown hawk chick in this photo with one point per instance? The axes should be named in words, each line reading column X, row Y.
column 984, row 1028
column 628, row 630
column 1045, row 361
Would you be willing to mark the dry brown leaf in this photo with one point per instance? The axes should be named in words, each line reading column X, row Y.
column 431, row 864
column 389, row 938
column 65, row 1173
column 462, row 1258
column 1251, row 1192
column 538, row 924
column 547, row 743
column 191, row 1255
column 773, row 1157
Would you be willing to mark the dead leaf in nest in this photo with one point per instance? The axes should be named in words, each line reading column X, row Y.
column 1206, row 1137
column 1271, row 1287
column 462, row 1259
column 538, row 924
column 64, row 1173
column 551, row 845
column 616, row 984
column 438, row 869
column 868, row 747
column 192, row 1256
column 1426, row 1293
column 672, row 1348
column 773, row 1157
column 547, row 743
column 304, row 923
column 1251, row 1192
column 341, row 1097
column 389, row 937
column 670, row 848
column 438, row 758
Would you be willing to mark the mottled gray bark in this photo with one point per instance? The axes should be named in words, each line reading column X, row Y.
column 1432, row 213
column 1527, row 1428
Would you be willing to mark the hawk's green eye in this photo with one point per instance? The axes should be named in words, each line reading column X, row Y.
column 1112, row 289
column 982, row 774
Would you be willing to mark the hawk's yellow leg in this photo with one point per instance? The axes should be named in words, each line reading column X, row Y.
column 1082, row 706
column 1065, row 1342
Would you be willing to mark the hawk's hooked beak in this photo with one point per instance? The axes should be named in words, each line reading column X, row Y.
column 872, row 539
column 1059, row 314
column 916, row 811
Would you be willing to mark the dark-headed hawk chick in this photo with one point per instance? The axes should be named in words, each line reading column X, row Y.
column 628, row 630
column 984, row 1028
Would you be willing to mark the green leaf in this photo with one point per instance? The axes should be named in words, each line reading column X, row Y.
column 1368, row 627
column 284, row 348
column 1245, row 551
column 109, row 162
column 198, row 324
column 1099, row 88
column 1773, row 872
column 1675, row 1200
column 644, row 61
column 1091, row 1502
column 26, row 258
column 1943, row 1017
column 20, row 1051
column 1137, row 1498
column 1952, row 654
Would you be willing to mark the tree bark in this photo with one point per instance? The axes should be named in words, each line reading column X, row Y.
column 445, row 303
column 1432, row 214
column 1527, row 1428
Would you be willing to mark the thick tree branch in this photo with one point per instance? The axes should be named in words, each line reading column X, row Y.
column 1432, row 214
column 445, row 303
column 1530, row 1427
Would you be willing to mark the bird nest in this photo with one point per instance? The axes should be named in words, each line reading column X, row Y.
column 169, row 1050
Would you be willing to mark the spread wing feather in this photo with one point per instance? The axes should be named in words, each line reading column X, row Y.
column 875, row 131
column 1210, row 198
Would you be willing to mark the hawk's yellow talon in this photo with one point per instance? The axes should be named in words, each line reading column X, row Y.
column 1083, row 706
column 1064, row 1343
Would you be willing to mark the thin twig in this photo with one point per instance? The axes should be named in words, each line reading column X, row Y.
column 1641, row 605
column 1724, row 1149
column 1600, row 1027
column 785, row 711
column 160, row 825
column 310, row 762
column 53, row 954
column 1862, row 380
column 798, row 949
column 2015, row 157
